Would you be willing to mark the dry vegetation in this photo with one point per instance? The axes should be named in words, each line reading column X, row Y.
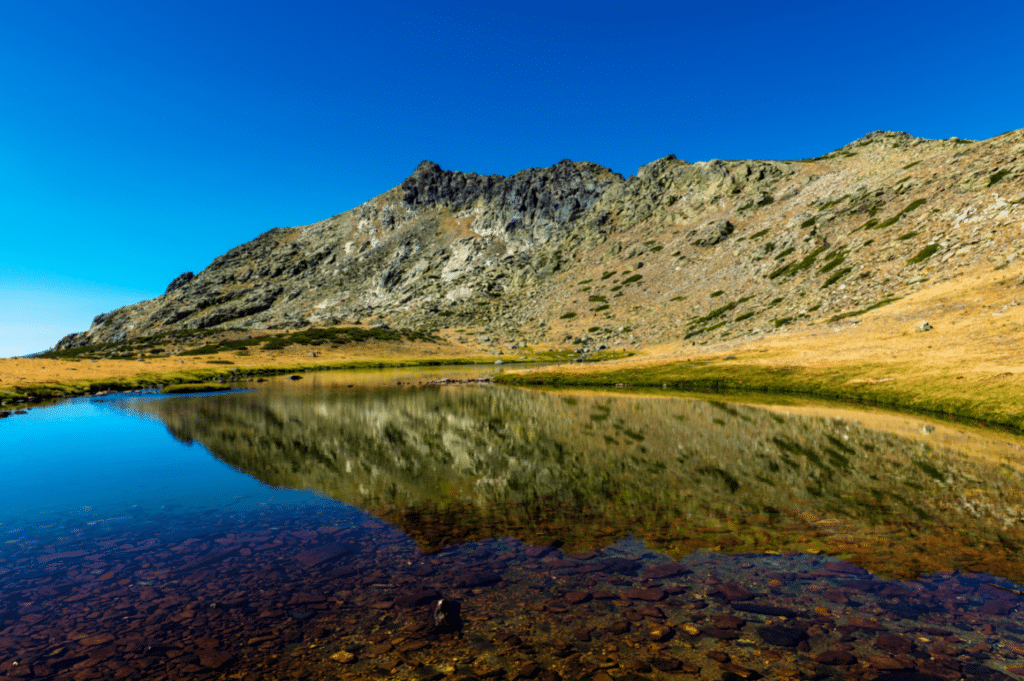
column 969, row 364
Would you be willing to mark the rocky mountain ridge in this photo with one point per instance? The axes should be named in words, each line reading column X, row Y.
column 578, row 254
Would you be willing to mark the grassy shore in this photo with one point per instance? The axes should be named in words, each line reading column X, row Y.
column 969, row 365
column 35, row 380
column 31, row 380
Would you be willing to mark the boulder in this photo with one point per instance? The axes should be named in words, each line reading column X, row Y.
column 713, row 233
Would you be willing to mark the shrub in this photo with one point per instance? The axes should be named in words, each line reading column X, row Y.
column 568, row 315
column 925, row 253
column 837, row 276
column 997, row 176
column 834, row 261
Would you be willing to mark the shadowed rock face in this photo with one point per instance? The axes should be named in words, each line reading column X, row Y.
column 453, row 464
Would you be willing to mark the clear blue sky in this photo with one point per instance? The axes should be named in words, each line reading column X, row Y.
column 139, row 140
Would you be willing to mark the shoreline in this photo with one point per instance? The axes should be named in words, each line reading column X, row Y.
column 951, row 351
column 745, row 380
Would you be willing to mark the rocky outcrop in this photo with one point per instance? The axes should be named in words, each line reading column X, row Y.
column 575, row 250
column 180, row 281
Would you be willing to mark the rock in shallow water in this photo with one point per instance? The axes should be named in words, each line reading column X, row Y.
column 788, row 637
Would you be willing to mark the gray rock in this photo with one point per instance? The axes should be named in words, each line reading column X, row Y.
column 924, row 326
column 179, row 281
column 713, row 233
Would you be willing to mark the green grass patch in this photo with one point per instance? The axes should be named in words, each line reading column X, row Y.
column 994, row 178
column 632, row 278
column 760, row 234
column 836, row 277
column 568, row 315
column 808, row 222
column 896, row 218
column 717, row 293
column 702, row 330
column 925, row 253
column 597, row 299
column 793, row 268
column 908, row 235
column 834, row 261
column 869, row 308
column 716, row 313
column 910, row 165
column 834, row 203
column 184, row 388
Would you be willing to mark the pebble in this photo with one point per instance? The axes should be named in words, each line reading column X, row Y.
column 662, row 633
column 307, row 587
column 644, row 594
column 734, row 592
column 576, row 597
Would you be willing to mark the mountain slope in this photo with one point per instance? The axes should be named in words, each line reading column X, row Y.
column 577, row 253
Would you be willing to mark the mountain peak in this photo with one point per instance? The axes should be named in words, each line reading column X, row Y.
column 576, row 251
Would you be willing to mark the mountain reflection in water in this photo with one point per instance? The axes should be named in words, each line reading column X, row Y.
column 457, row 463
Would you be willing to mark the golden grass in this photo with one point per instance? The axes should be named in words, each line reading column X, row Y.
column 970, row 365
column 49, row 377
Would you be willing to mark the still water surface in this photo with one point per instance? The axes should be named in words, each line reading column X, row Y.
column 309, row 529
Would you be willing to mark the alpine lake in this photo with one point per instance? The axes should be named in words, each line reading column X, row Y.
column 429, row 524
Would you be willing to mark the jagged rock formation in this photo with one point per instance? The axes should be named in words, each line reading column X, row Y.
column 578, row 253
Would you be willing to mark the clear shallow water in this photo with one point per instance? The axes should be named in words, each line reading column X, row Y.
column 570, row 535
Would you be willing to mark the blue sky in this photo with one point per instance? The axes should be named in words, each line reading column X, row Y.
column 140, row 140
